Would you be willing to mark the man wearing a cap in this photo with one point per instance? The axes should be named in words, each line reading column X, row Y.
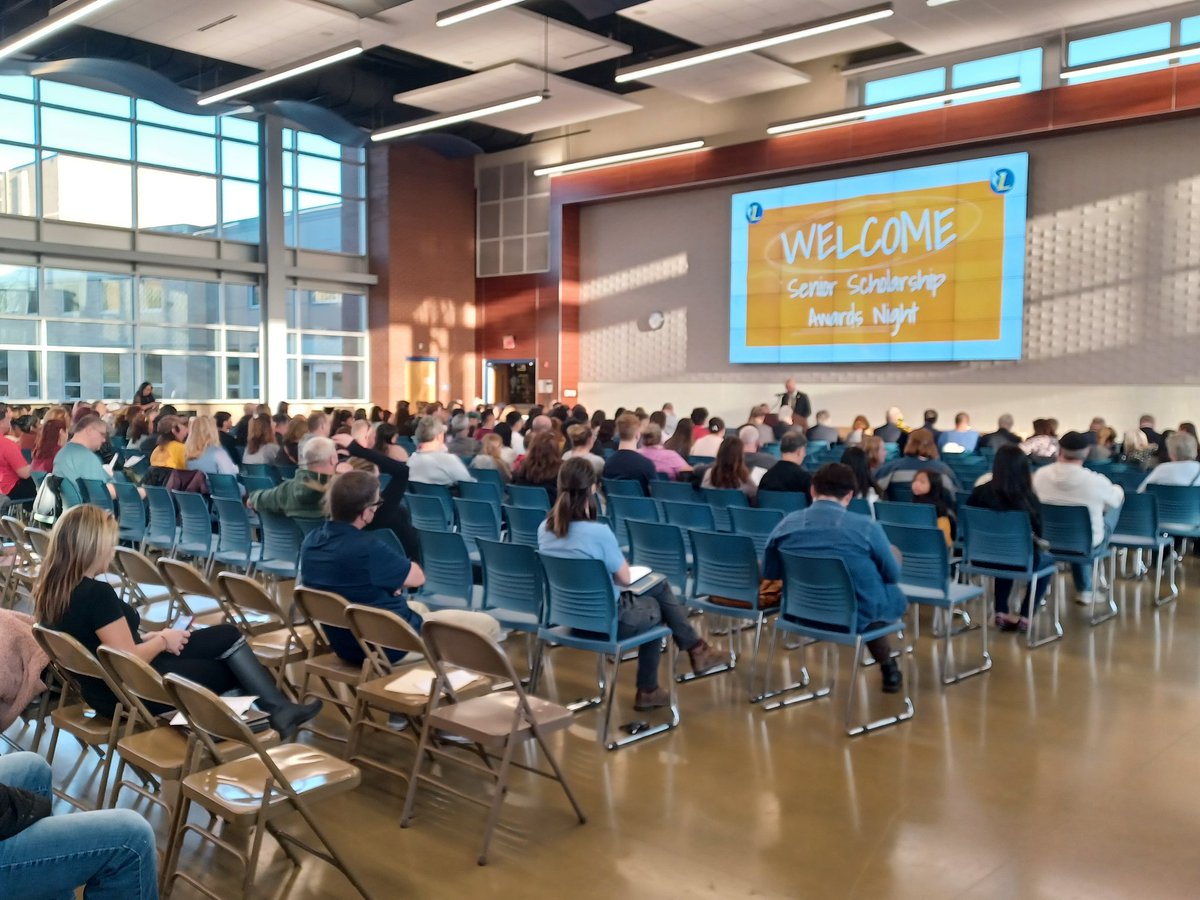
column 1067, row 483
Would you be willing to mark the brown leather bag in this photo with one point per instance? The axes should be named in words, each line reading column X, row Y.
column 770, row 593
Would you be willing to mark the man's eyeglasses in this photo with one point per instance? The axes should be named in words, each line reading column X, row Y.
column 375, row 505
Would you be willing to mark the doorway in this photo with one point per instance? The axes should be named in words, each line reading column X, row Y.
column 420, row 380
column 509, row 382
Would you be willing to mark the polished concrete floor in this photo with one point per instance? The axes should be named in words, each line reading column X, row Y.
column 1067, row 771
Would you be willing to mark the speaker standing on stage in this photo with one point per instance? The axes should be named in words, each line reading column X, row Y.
column 797, row 401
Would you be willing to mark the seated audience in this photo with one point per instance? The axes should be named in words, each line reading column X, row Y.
column 699, row 423
column 681, row 441
column 224, row 423
column 53, row 437
column 384, row 441
column 69, row 597
column 432, row 463
column 169, row 450
column 461, row 443
column 338, row 557
column 756, row 461
column 1067, row 483
column 392, row 514
column 1105, row 447
column 758, row 418
column 580, row 440
column 540, row 466
column 823, row 431
column 893, row 427
column 920, row 452
column 710, row 443
column 1092, row 435
column 571, row 530
column 730, row 471
column 204, row 451
column 1042, row 444
column 626, row 462
column 931, row 417
column 1146, row 425
column 492, row 456
column 788, row 473
column 876, row 451
column 929, row 489
column 1182, row 469
column 827, row 529
column 1002, row 435
column 666, row 462
column 301, row 496
column 858, row 430
column 318, row 424
column 16, row 481
column 855, row 458
column 1011, row 488
column 261, row 448
column 963, row 439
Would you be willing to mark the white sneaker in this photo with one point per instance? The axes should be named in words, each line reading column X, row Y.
column 1084, row 598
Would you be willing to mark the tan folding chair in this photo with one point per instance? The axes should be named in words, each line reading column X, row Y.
column 276, row 649
column 501, row 719
column 37, row 538
column 320, row 610
column 72, row 660
column 253, row 792
column 146, row 588
column 192, row 591
column 22, row 562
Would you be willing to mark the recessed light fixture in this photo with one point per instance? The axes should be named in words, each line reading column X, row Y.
column 861, row 112
column 56, row 21
column 282, row 73
column 614, row 158
column 1130, row 62
column 387, row 134
column 457, row 14
column 759, row 42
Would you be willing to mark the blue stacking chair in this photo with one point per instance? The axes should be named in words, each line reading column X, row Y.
column 689, row 515
column 1068, row 530
column 95, row 492
column 785, row 501
column 1138, row 529
column 280, row 555
column 860, row 506
column 816, row 448
column 71, row 494
column 892, row 448
column 484, row 491
column 1178, row 510
column 407, row 443
column 477, row 519
column 925, row 580
column 720, row 499
column 579, row 600
column 622, row 487
column 513, row 593
column 439, row 492
column 262, row 470
column 662, row 548
column 257, row 483
column 727, row 565
column 819, row 605
column 622, row 508
column 131, row 518
column 530, row 496
column 235, row 540
column 1000, row 545
column 284, row 472
column 757, row 524
column 449, row 583
column 677, row 491
column 161, row 531
column 489, row 476
column 224, row 486
column 429, row 513
column 695, row 461
column 195, row 528
column 900, row 491
column 772, row 448
column 896, row 513
column 523, row 524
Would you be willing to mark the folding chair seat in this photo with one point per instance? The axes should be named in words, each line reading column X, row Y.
column 253, row 792
column 147, row 589
column 819, row 605
column 500, row 721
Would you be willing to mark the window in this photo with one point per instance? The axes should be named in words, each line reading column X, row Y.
column 71, row 379
column 1116, row 45
column 1189, row 32
column 325, row 194
column 326, row 345
column 19, row 374
column 1025, row 66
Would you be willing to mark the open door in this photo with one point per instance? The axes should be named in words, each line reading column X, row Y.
column 510, row 382
column 421, row 380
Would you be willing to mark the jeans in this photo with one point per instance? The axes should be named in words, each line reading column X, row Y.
column 109, row 852
column 636, row 614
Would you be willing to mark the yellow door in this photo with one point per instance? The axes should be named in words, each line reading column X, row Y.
column 420, row 380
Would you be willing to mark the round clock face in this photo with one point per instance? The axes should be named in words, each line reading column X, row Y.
column 656, row 320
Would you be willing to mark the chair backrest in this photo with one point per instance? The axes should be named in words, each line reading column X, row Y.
column 622, row 487
column 37, row 538
column 488, row 476
column 162, row 514
column 900, row 491
column 71, row 495
column 485, row 491
column 998, row 538
column 898, row 513
column 662, row 548
column 530, row 496
column 818, row 590
column 579, row 594
column 722, row 498
column 629, row 506
column 925, row 561
column 725, row 565
column 439, row 492
column 285, row 472
column 257, row 483
column 1177, row 505
column 1067, row 528
column 787, row 501
column 281, row 537
column 689, row 515
column 131, row 509
column 234, row 534
column 1139, row 516
column 446, row 564
column 379, row 630
column 72, row 657
column 701, row 460
column 262, row 470
column 195, row 519
column 321, row 607
column 138, row 568
column 757, row 524
column 213, row 721
column 140, row 682
column 461, row 648
column 477, row 519
column 523, row 523
column 429, row 513
column 680, row 491
column 243, row 592
column 224, row 486
column 512, row 578
column 858, row 505
column 96, row 493
column 184, row 580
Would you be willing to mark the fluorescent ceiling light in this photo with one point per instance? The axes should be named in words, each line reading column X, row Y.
column 939, row 2
column 615, row 158
column 386, row 134
column 761, row 42
column 56, row 21
column 862, row 112
column 282, row 73
column 1130, row 62
column 470, row 10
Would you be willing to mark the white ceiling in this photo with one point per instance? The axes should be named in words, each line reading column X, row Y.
column 725, row 79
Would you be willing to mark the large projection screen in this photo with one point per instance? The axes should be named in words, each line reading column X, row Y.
column 920, row 264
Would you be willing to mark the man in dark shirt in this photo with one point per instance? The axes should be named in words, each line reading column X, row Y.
column 890, row 432
column 225, row 435
column 788, row 474
column 626, row 462
column 1146, row 424
column 1002, row 435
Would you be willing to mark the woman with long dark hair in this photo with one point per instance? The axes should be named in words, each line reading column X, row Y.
column 1011, row 488
column 543, row 459
column 144, row 398
column 928, row 488
column 855, row 458
column 571, row 530
column 385, row 442
column 730, row 471
column 681, row 441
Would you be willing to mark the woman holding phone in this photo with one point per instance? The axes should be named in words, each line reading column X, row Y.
column 571, row 530
column 69, row 597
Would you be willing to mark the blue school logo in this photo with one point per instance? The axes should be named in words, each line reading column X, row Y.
column 754, row 213
column 1003, row 181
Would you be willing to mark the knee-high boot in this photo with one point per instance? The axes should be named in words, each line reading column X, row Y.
column 286, row 716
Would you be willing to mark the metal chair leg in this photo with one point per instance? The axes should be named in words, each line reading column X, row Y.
column 1033, row 640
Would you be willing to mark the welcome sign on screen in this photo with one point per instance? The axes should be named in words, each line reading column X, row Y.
column 915, row 265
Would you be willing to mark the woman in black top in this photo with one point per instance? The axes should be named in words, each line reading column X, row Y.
column 1011, row 488
column 144, row 398
column 69, row 597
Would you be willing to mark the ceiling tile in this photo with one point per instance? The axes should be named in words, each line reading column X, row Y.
column 725, row 79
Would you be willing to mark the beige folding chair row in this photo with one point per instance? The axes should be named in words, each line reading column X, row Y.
column 21, row 559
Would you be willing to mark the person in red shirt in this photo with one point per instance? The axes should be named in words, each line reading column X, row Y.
column 15, row 482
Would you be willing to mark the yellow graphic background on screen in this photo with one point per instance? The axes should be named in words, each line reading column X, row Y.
column 964, row 307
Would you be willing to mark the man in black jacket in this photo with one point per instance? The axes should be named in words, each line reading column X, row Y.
column 788, row 474
column 797, row 402
column 1002, row 435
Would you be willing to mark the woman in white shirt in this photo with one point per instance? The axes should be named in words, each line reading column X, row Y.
column 1183, row 469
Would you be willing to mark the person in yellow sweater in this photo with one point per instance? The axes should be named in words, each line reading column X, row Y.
column 170, row 452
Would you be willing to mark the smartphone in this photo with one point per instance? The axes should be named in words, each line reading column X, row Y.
column 183, row 623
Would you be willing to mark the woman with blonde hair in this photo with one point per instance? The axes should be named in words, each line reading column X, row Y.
column 261, row 448
column 204, row 451
column 69, row 597
column 491, row 456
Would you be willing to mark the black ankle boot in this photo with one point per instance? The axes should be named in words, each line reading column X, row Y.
column 893, row 678
column 286, row 716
